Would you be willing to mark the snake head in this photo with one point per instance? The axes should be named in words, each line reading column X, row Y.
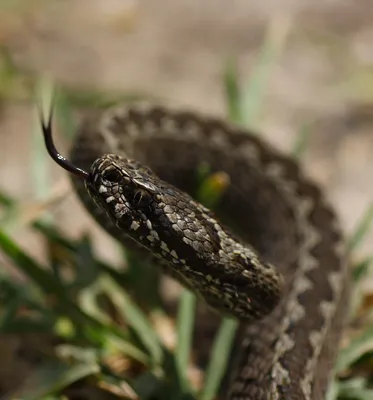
column 154, row 213
column 122, row 187
column 138, row 202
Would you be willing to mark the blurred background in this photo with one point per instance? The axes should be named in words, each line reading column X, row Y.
column 309, row 63
column 319, row 75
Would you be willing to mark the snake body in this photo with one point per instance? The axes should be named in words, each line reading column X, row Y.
column 286, row 274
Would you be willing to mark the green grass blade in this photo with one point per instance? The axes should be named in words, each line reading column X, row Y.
column 146, row 289
column 362, row 229
column 301, row 142
column 51, row 234
column 39, row 275
column 64, row 115
column 346, row 393
column 361, row 270
column 53, row 377
column 6, row 201
column 355, row 350
column 136, row 319
column 146, row 385
column 219, row 358
column 49, row 285
column 87, row 270
column 89, row 303
column 185, row 325
column 332, row 393
column 40, row 170
column 88, row 97
column 355, row 389
column 9, row 313
column 112, row 336
column 232, row 91
column 252, row 97
column 40, row 162
column 359, row 273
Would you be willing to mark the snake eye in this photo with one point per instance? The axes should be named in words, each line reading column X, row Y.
column 142, row 198
column 112, row 175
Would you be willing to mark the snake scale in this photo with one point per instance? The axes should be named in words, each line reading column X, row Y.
column 285, row 273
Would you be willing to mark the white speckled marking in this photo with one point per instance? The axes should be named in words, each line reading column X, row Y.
column 154, row 234
column 135, row 225
column 164, row 246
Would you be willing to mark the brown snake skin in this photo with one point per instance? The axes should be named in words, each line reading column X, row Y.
column 289, row 353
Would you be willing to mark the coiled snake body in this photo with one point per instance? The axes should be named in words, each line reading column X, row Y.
column 294, row 308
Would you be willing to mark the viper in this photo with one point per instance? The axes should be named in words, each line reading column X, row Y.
column 272, row 254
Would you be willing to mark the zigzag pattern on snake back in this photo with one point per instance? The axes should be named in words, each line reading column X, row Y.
column 291, row 340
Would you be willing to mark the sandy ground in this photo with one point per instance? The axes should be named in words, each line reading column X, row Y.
column 176, row 49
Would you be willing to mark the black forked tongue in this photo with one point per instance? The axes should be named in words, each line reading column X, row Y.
column 57, row 157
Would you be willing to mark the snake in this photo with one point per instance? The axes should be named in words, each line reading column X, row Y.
column 271, row 254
